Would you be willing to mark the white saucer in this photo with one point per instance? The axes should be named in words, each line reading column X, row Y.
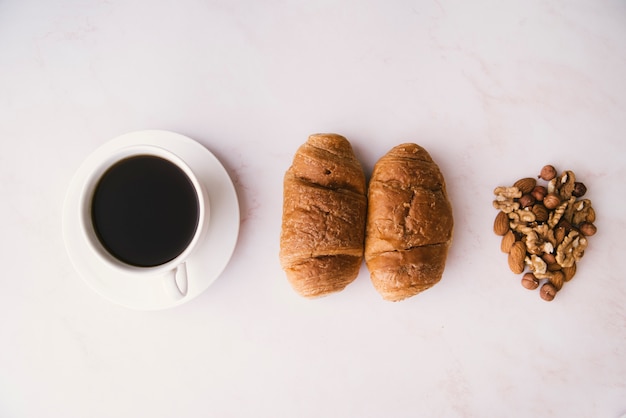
column 209, row 258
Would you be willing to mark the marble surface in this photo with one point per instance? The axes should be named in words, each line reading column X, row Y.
column 492, row 89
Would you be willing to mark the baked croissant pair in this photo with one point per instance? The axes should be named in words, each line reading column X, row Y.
column 402, row 225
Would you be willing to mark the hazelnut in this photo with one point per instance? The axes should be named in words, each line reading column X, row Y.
column 548, row 172
column 539, row 192
column 526, row 201
column 565, row 225
column 579, row 189
column 551, row 201
column 529, row 281
column 541, row 213
column 587, row 229
column 548, row 292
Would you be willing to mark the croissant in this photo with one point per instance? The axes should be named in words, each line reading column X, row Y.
column 409, row 223
column 323, row 223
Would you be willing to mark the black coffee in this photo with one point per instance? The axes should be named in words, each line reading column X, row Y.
column 145, row 210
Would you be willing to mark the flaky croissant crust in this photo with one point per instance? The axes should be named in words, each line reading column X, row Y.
column 324, row 209
column 409, row 223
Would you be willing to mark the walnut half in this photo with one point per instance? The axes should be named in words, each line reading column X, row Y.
column 505, row 199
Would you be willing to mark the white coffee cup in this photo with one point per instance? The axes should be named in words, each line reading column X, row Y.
column 173, row 273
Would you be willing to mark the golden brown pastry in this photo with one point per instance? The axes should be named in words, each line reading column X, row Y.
column 323, row 224
column 409, row 223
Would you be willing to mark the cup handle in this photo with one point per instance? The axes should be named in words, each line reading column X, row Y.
column 176, row 284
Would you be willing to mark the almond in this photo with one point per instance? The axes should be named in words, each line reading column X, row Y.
column 554, row 267
column 559, row 234
column 557, row 280
column 525, row 185
column 517, row 256
column 549, row 258
column 507, row 242
column 501, row 224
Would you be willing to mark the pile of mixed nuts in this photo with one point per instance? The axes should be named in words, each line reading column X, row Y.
column 544, row 228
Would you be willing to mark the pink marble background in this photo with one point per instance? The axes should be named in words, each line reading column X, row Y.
column 494, row 90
